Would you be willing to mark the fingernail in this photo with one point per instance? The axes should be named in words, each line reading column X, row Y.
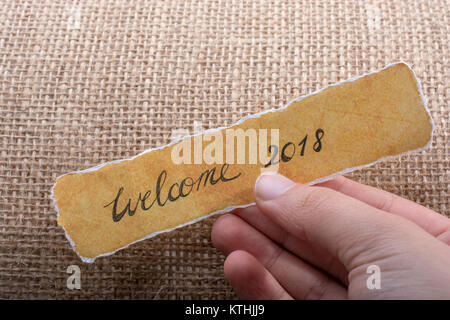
column 271, row 186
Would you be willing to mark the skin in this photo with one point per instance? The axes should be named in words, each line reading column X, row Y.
column 302, row 242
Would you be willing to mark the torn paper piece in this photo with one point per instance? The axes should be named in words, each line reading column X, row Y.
column 345, row 126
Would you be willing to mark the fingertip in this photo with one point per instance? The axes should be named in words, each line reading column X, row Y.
column 271, row 186
column 225, row 230
column 237, row 265
column 217, row 234
column 250, row 279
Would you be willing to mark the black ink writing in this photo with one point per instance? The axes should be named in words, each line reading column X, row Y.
column 288, row 150
column 318, row 144
column 173, row 193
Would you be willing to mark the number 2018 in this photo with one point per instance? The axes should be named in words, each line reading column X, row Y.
column 289, row 149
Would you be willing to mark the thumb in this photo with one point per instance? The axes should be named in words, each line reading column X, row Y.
column 350, row 230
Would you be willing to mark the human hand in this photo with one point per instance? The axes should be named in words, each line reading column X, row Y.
column 302, row 242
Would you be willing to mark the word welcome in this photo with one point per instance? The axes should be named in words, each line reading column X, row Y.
column 163, row 195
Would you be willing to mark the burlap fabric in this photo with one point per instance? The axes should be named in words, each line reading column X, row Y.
column 86, row 82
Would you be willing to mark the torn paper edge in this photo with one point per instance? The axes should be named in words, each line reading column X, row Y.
column 228, row 209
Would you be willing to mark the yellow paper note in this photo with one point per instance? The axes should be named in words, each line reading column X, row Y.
column 335, row 130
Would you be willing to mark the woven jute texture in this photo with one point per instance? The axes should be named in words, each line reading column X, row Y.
column 86, row 82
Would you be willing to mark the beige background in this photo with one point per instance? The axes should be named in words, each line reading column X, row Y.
column 91, row 81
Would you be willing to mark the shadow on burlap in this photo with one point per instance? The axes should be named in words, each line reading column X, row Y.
column 91, row 81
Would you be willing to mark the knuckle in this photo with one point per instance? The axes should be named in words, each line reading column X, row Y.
column 304, row 207
column 386, row 203
column 274, row 258
column 223, row 229
column 444, row 235
column 314, row 198
column 316, row 291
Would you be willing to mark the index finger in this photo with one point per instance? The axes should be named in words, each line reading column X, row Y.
column 429, row 220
